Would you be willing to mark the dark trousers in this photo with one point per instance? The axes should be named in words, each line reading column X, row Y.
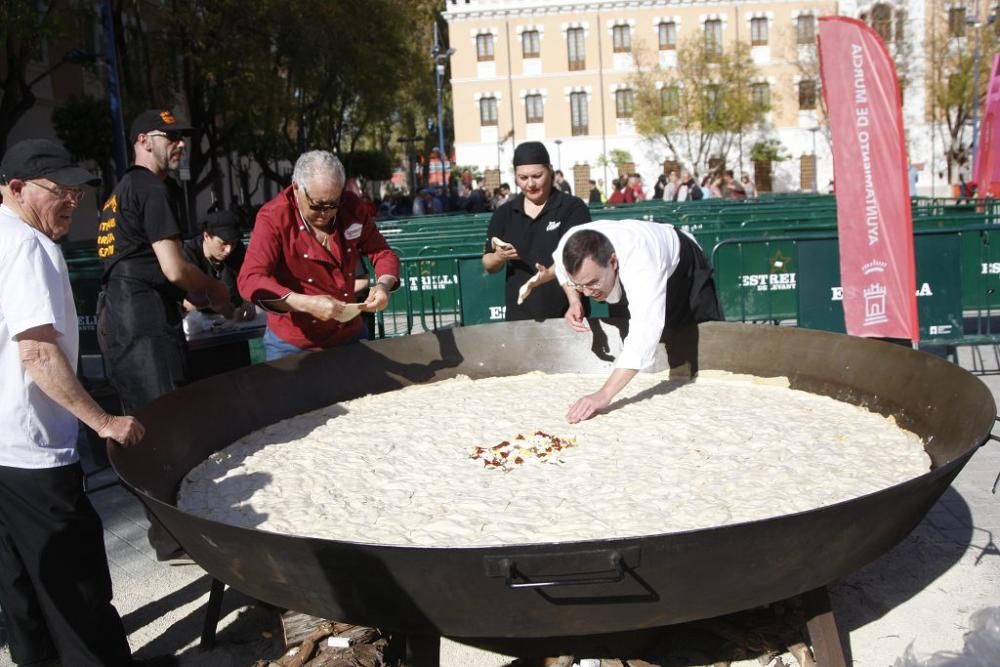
column 140, row 334
column 55, row 588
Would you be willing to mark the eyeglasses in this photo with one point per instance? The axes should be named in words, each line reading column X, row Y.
column 72, row 194
column 172, row 137
column 586, row 287
column 320, row 206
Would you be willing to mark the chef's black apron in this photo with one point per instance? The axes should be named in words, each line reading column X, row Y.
column 691, row 295
column 140, row 334
column 691, row 300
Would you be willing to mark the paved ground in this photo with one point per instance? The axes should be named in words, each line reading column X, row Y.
column 923, row 591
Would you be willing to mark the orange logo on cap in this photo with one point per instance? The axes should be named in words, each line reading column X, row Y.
column 167, row 117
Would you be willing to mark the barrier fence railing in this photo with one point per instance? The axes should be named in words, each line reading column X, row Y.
column 775, row 258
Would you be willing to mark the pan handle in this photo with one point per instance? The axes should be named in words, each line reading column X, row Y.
column 613, row 567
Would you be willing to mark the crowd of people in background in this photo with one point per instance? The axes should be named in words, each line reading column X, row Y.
column 466, row 195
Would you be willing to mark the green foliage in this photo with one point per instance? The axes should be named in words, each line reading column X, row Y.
column 698, row 108
column 952, row 87
column 618, row 157
column 269, row 78
column 769, row 150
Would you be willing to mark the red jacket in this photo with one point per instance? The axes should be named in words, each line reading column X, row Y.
column 616, row 197
column 284, row 257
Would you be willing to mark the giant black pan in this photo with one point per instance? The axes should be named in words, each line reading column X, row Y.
column 473, row 592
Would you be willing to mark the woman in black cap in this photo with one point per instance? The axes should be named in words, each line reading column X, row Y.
column 524, row 232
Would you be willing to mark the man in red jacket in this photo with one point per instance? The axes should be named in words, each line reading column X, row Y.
column 303, row 254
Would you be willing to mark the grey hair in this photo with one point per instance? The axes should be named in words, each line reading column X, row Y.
column 318, row 163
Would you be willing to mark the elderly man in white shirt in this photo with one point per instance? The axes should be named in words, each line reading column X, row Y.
column 55, row 588
column 662, row 276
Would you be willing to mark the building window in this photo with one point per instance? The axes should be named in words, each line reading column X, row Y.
column 533, row 112
column 670, row 100
column 484, row 47
column 488, row 111
column 621, row 38
column 807, row 95
column 668, row 35
column 624, row 102
column 805, row 29
column 713, row 39
column 760, row 96
column 956, row 21
column 881, row 22
column 758, row 31
column 531, row 44
column 713, row 102
column 576, row 49
column 578, row 113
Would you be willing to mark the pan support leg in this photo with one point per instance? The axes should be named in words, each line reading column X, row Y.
column 212, row 612
column 423, row 651
column 828, row 648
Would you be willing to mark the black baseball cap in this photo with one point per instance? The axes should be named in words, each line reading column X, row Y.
column 224, row 224
column 43, row 158
column 157, row 119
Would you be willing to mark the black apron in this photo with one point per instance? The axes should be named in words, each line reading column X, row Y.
column 691, row 295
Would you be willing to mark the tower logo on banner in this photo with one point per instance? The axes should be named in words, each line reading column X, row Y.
column 874, row 221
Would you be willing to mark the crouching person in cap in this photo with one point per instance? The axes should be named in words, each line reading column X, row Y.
column 139, row 315
column 660, row 275
column 523, row 233
column 55, row 588
column 219, row 252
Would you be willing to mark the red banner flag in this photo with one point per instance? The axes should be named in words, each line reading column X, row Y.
column 874, row 222
column 986, row 171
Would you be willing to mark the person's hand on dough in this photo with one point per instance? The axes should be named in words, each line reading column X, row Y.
column 587, row 407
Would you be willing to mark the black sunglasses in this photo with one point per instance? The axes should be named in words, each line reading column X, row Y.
column 172, row 137
column 320, row 206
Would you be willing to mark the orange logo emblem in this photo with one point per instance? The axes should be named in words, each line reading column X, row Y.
column 167, row 117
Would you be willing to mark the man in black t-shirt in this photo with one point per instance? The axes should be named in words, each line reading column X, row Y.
column 146, row 277
column 530, row 226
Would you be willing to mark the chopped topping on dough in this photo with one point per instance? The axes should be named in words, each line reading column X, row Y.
column 540, row 447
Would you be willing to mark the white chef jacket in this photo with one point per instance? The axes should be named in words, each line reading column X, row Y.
column 648, row 253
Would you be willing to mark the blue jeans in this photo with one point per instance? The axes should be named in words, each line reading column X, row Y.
column 276, row 348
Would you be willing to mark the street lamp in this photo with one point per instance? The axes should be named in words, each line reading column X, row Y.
column 559, row 153
column 440, row 55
